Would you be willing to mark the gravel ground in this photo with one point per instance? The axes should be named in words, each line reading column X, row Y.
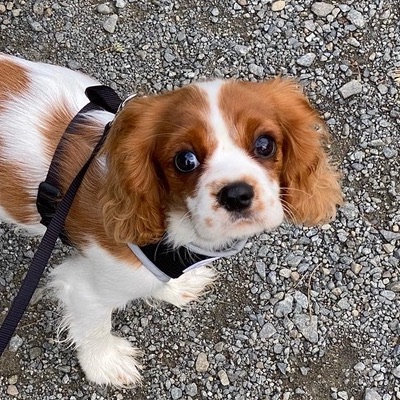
column 303, row 313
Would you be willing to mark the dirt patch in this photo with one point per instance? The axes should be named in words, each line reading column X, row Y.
column 333, row 370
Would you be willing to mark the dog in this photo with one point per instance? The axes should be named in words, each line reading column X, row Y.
column 202, row 167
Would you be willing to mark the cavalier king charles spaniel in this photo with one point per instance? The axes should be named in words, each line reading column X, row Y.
column 202, row 167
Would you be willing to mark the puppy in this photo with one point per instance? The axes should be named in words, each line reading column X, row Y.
column 200, row 168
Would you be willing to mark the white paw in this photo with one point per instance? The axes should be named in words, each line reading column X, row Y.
column 110, row 361
column 188, row 287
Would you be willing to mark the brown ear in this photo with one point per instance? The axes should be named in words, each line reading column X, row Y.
column 132, row 196
column 310, row 183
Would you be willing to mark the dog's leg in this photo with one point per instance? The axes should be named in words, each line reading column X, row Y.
column 188, row 287
column 89, row 288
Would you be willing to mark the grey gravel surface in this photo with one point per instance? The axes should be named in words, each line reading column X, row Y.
column 302, row 313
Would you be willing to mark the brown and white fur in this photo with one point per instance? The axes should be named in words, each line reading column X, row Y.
column 134, row 193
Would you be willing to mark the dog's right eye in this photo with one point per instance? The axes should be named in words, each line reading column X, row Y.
column 265, row 146
column 186, row 161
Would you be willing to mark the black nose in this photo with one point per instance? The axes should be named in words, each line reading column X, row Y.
column 236, row 196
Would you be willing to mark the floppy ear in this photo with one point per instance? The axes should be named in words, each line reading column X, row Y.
column 309, row 182
column 132, row 195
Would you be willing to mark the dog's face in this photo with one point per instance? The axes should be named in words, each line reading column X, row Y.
column 214, row 162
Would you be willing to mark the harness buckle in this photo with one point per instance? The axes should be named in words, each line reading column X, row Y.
column 47, row 201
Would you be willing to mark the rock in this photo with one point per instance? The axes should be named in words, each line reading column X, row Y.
column 371, row 394
column 36, row 27
column 285, row 272
column 168, row 56
column 72, row 64
column 293, row 260
column 215, row 12
column 394, row 286
column 343, row 395
column 356, row 18
column 202, row 363
column 120, row 3
column 344, row 304
column 241, row 50
column 356, row 268
column 35, row 352
column 278, row 5
column 396, row 371
column 322, row 9
column 256, row 70
column 284, row 307
column 301, row 299
column 38, row 7
column 223, row 377
column 176, row 393
column 389, row 235
column 110, row 23
column 388, row 294
column 260, row 267
column 295, row 276
column 267, row 331
column 307, row 327
column 349, row 210
column 12, row 390
column 383, row 89
column 359, row 366
column 271, row 278
column 389, row 153
column 104, row 9
column 191, row 389
column 282, row 367
column 350, row 88
column 306, row 60
column 15, row 343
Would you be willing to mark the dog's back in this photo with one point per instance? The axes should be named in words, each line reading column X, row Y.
column 37, row 101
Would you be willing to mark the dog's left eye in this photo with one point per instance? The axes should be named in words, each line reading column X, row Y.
column 265, row 146
column 186, row 161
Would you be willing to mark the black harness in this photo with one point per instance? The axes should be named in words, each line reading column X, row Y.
column 162, row 259
column 49, row 195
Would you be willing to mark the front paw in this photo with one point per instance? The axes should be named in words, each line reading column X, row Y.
column 188, row 287
column 110, row 360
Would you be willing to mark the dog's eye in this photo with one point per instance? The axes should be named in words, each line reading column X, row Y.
column 264, row 146
column 186, row 161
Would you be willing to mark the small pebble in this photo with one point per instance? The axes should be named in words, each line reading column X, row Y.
column 202, row 363
column 322, row 9
column 110, row 23
column 12, row 390
column 278, row 5
column 350, row 89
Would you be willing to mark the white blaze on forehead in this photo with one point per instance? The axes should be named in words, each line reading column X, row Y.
column 217, row 123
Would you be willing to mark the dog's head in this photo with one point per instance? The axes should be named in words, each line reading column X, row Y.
column 217, row 161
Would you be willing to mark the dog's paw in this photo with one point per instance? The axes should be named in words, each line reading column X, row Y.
column 188, row 287
column 110, row 361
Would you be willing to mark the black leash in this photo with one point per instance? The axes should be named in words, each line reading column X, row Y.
column 107, row 99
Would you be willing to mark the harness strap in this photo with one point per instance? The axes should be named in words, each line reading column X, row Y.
column 43, row 253
column 49, row 194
